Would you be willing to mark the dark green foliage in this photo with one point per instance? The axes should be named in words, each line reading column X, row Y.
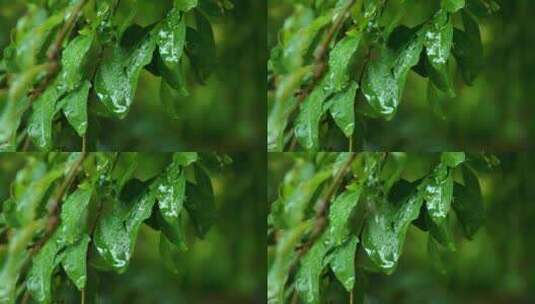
column 73, row 68
column 324, row 48
column 379, row 199
column 66, row 209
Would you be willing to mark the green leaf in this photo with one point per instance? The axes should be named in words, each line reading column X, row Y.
column 379, row 86
column 337, row 77
column 468, row 49
column 339, row 213
column 170, row 191
column 384, row 233
column 468, row 204
column 117, row 228
column 452, row 6
column 200, row 47
column 172, row 37
column 285, row 103
column 117, row 76
column 453, row 159
column 74, row 262
column 40, row 123
column 342, row 262
column 342, row 109
column 39, row 279
column 185, row 5
column 296, row 46
column 285, row 256
column 74, row 215
column 72, row 62
column 438, row 41
column 438, row 191
column 308, row 120
column 300, row 185
column 27, row 202
column 18, row 254
column 74, row 107
column 169, row 254
column 307, row 280
column 200, row 202
column 185, row 159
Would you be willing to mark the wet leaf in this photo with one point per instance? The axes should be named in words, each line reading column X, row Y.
column 308, row 119
column 307, row 280
column 117, row 76
column 74, row 215
column 40, row 124
column 339, row 213
column 74, row 107
column 380, row 86
column 342, row 109
column 117, row 228
column 285, row 256
column 342, row 262
column 74, row 262
column 172, row 37
column 72, row 63
column 438, row 193
column 384, row 233
column 337, row 77
column 39, row 280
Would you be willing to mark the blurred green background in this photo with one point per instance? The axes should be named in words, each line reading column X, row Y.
column 227, row 113
column 226, row 267
column 496, row 267
column 496, row 113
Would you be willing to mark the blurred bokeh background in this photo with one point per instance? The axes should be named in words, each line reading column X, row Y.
column 227, row 113
column 496, row 267
column 496, row 113
column 226, row 267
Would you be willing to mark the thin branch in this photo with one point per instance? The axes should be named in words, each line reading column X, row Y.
column 320, row 65
column 54, row 49
column 54, row 203
column 324, row 203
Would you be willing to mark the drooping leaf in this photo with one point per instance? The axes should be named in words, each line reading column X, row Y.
column 117, row 76
column 438, row 193
column 200, row 202
column 39, row 280
column 384, row 234
column 74, row 262
column 307, row 280
column 200, row 47
column 40, row 124
column 72, row 63
column 468, row 204
column 337, row 77
column 342, row 262
column 342, row 109
column 172, row 37
column 308, row 120
column 75, row 107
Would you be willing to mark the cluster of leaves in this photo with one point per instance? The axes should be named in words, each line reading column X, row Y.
column 341, row 215
column 337, row 58
column 69, row 210
column 67, row 55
